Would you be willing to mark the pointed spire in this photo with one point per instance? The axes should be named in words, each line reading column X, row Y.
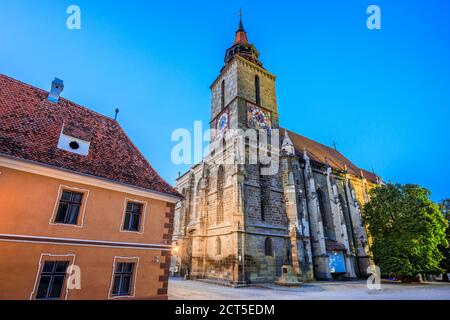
column 241, row 35
column 241, row 25
column 241, row 46
column 287, row 146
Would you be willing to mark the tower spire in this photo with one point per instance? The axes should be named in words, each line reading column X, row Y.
column 241, row 25
column 241, row 47
column 241, row 34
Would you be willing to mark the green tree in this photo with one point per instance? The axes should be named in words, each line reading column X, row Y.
column 406, row 230
column 445, row 264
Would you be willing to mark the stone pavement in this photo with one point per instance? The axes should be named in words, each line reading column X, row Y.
column 180, row 289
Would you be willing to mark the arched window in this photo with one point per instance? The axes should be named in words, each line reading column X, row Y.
column 222, row 95
column 187, row 206
column 263, row 195
column 190, row 194
column 220, row 184
column 323, row 214
column 288, row 254
column 218, row 246
column 224, row 150
column 268, row 247
column 198, row 199
column 257, row 90
column 347, row 221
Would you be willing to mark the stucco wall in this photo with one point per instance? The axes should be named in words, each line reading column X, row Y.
column 27, row 204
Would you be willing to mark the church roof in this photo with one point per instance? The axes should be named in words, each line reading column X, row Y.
column 323, row 154
column 30, row 128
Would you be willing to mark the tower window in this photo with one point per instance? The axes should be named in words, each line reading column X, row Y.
column 222, row 95
column 268, row 247
column 218, row 247
column 220, row 185
column 257, row 91
column 263, row 196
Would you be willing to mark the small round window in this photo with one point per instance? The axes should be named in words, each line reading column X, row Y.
column 74, row 145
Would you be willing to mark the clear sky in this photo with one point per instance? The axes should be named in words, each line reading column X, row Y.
column 382, row 95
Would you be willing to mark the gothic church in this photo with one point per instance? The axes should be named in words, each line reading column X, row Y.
column 239, row 226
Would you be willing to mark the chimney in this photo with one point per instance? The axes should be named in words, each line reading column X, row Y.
column 55, row 92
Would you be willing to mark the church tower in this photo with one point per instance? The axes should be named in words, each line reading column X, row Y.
column 241, row 223
column 243, row 95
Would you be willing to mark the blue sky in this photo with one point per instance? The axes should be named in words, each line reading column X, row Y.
column 382, row 95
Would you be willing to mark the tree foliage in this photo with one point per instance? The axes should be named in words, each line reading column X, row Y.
column 444, row 205
column 406, row 230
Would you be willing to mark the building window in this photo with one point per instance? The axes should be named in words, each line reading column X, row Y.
column 224, row 150
column 263, row 208
column 263, row 195
column 288, row 254
column 257, row 90
column 268, row 247
column 123, row 279
column 347, row 221
column 220, row 185
column 69, row 207
column 52, row 280
column 327, row 227
column 218, row 247
column 222, row 95
column 133, row 216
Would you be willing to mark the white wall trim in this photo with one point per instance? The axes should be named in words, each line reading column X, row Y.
column 62, row 174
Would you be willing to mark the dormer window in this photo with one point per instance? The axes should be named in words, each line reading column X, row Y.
column 74, row 145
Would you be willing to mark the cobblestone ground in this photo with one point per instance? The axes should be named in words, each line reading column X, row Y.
column 180, row 289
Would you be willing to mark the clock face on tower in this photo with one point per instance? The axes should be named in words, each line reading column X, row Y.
column 222, row 123
column 258, row 118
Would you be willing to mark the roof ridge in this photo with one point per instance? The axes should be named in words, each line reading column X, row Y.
column 61, row 99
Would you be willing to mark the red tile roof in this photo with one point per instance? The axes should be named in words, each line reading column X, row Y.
column 322, row 154
column 30, row 127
